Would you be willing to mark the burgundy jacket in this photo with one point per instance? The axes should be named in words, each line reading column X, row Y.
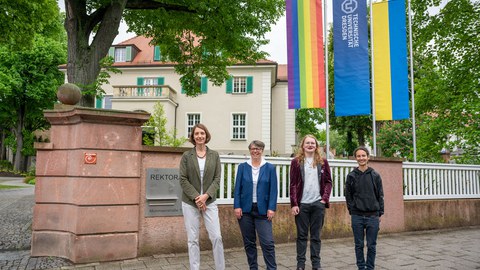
column 297, row 175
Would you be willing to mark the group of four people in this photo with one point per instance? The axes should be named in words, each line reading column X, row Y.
column 255, row 201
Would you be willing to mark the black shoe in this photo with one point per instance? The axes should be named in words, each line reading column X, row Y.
column 300, row 268
column 317, row 268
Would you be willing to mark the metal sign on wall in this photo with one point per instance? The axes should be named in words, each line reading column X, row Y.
column 163, row 193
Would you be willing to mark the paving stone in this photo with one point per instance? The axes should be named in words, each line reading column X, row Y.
column 456, row 248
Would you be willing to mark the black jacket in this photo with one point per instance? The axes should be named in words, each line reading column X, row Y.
column 364, row 193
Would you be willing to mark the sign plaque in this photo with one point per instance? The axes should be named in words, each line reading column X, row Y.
column 163, row 192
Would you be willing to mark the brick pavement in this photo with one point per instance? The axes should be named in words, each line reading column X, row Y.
column 457, row 248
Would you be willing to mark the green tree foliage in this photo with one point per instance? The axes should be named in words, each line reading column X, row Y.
column 156, row 132
column 202, row 36
column 307, row 121
column 29, row 79
column 20, row 20
column 447, row 77
column 395, row 139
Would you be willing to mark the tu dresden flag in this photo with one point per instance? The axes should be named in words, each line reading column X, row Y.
column 351, row 59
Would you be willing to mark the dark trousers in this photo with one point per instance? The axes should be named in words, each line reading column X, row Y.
column 251, row 224
column 310, row 218
column 365, row 227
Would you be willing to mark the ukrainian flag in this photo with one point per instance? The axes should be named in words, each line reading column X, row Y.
column 390, row 67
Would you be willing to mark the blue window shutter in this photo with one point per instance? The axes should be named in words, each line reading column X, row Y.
column 98, row 103
column 249, row 84
column 204, row 85
column 111, row 52
column 229, row 85
column 160, row 81
column 128, row 52
column 139, row 89
column 156, row 53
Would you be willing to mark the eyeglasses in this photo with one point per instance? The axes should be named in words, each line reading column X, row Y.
column 256, row 149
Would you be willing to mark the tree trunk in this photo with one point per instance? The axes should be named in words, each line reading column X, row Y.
column 19, row 163
column 3, row 149
column 83, row 65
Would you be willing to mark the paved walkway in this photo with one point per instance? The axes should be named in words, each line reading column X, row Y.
column 438, row 249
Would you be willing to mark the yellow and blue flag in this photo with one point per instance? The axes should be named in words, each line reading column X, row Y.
column 390, row 68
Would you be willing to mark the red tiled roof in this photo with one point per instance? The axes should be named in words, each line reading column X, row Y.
column 282, row 73
column 145, row 54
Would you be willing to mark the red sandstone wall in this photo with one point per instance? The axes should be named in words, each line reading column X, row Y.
column 438, row 214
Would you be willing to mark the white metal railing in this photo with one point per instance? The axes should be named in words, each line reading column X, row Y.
column 420, row 180
column 339, row 169
column 440, row 181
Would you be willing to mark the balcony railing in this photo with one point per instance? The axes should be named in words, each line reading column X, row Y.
column 144, row 91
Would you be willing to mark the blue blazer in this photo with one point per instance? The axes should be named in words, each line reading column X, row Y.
column 267, row 190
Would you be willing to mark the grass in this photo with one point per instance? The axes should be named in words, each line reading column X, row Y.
column 9, row 187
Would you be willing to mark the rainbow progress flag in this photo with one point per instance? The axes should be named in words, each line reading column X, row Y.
column 306, row 73
column 390, row 67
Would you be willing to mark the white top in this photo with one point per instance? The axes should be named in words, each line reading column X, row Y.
column 255, row 174
column 201, row 166
column 311, row 186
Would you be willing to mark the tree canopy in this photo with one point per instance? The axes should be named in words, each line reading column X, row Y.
column 201, row 36
column 447, row 78
column 29, row 78
column 21, row 19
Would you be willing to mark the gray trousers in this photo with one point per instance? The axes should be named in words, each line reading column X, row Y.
column 192, row 217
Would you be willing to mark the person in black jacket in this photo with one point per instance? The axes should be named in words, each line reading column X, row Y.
column 364, row 196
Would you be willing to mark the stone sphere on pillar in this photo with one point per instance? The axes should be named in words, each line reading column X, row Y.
column 69, row 94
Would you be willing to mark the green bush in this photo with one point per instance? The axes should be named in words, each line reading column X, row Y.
column 5, row 165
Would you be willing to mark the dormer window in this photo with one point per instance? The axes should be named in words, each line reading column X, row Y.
column 121, row 54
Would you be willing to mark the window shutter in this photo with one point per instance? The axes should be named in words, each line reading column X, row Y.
column 111, row 52
column 128, row 54
column 156, row 53
column 249, row 84
column 160, row 81
column 229, row 85
column 204, row 85
column 139, row 89
column 98, row 103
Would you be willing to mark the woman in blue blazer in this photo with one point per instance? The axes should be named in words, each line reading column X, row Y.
column 255, row 203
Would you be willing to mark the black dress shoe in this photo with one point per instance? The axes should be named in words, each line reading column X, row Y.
column 300, row 268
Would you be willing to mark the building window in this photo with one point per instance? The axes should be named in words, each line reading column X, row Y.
column 150, row 91
column 239, row 126
column 103, row 103
column 192, row 120
column 120, row 54
column 240, row 85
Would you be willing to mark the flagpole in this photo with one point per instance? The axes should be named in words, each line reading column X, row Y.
column 412, row 83
column 327, row 107
column 374, row 125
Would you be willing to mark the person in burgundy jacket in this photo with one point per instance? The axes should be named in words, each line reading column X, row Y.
column 310, row 188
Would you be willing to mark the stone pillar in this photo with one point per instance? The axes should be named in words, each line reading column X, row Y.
column 392, row 179
column 87, row 194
